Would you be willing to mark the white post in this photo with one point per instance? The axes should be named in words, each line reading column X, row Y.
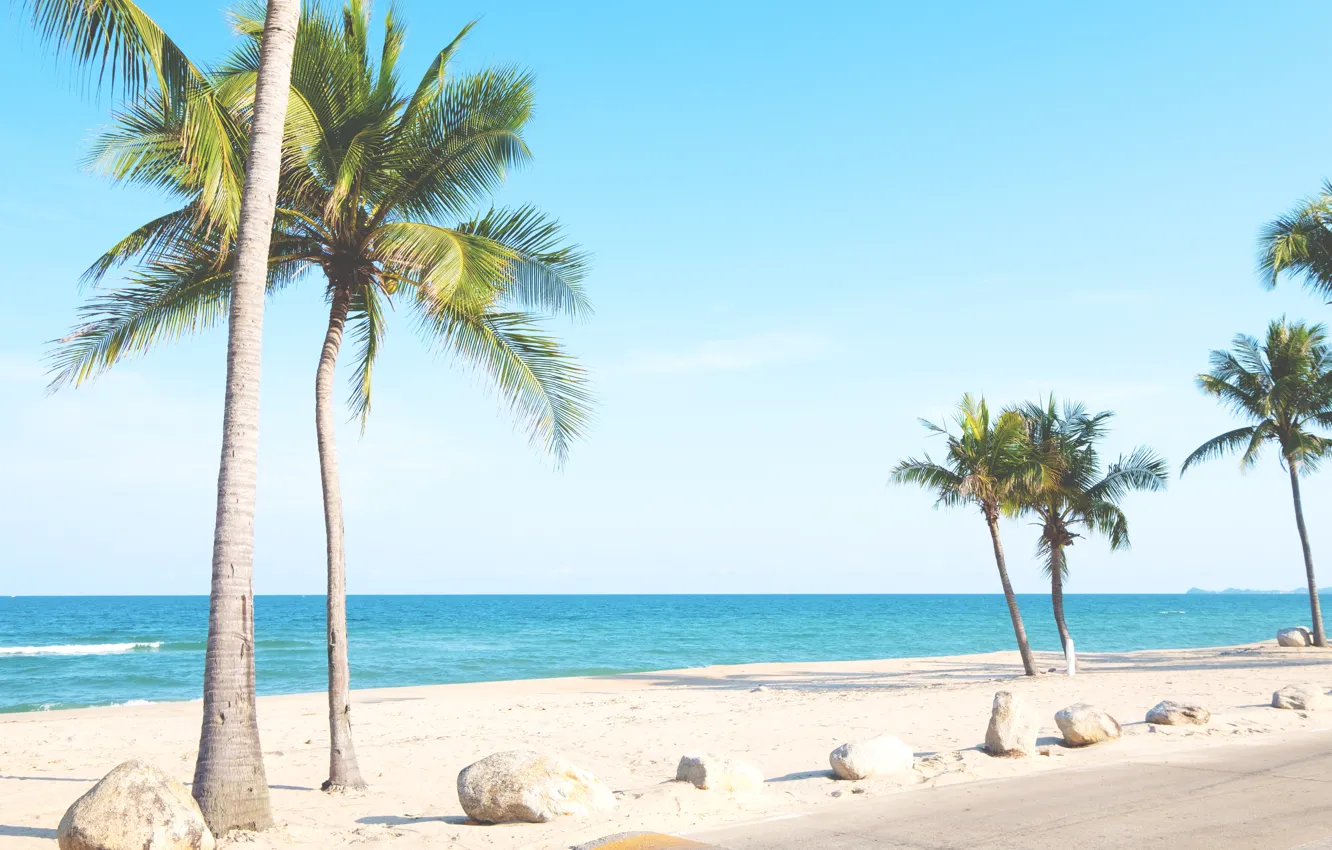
column 1071, row 658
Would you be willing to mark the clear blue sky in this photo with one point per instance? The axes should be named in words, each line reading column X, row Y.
column 812, row 225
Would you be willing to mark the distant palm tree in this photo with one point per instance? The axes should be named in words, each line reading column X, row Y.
column 236, row 199
column 1074, row 494
column 378, row 197
column 1283, row 386
column 983, row 465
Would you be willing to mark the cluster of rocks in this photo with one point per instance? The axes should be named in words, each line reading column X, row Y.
column 1297, row 636
column 137, row 805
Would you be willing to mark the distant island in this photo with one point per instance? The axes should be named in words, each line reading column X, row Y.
column 1244, row 590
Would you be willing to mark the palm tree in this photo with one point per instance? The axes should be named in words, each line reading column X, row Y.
column 378, row 197
column 117, row 37
column 1074, row 495
column 1283, row 387
column 984, row 465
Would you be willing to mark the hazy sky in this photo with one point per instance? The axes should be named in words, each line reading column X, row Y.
column 811, row 225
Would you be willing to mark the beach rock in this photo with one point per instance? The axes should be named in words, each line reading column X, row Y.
column 1013, row 727
column 1300, row 698
column 876, row 757
column 1297, row 636
column 1171, row 713
column 718, row 773
column 135, row 807
column 521, row 786
column 1083, row 724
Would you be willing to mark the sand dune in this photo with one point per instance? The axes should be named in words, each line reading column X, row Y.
column 631, row 730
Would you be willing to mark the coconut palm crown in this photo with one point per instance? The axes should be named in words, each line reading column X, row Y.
column 380, row 190
column 1283, row 387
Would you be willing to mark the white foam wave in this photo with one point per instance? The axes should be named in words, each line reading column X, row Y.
column 1170, row 612
column 80, row 648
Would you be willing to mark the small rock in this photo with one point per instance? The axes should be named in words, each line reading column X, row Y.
column 709, row 772
column 135, row 806
column 876, row 757
column 1171, row 713
column 1013, row 727
column 521, row 786
column 1300, row 698
column 760, row 689
column 1083, row 724
column 1297, row 636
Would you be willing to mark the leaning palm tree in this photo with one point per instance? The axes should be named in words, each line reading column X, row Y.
column 984, row 464
column 1074, row 497
column 1283, row 387
column 378, row 198
column 115, row 36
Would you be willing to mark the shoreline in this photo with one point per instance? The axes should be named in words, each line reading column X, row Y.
column 631, row 729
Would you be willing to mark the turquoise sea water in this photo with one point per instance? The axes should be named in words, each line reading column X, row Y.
column 63, row 652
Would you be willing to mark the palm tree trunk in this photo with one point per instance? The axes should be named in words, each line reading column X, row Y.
column 229, row 779
column 343, row 771
column 1020, row 631
column 1057, row 593
column 1315, row 609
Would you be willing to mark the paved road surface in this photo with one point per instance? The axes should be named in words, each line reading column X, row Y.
column 1272, row 796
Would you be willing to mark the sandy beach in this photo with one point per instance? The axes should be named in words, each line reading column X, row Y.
column 631, row 730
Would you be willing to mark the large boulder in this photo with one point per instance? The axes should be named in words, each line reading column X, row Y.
column 135, row 807
column 876, row 757
column 1083, row 724
column 710, row 772
column 1013, row 727
column 1171, row 713
column 520, row 786
column 1300, row 698
column 1297, row 636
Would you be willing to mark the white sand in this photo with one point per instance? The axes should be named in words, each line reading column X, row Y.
column 631, row 730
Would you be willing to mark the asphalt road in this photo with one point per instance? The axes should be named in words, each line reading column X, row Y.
column 1270, row 796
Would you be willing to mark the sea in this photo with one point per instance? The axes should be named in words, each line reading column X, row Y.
column 68, row 652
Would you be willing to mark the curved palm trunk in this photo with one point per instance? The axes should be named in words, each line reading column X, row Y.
column 1020, row 631
column 229, row 779
column 1315, row 609
column 1057, row 594
column 343, row 771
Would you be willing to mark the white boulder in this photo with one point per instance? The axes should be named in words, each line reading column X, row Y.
column 710, row 772
column 1083, row 724
column 135, row 807
column 521, row 786
column 1013, row 727
column 1171, row 713
column 1300, row 698
column 876, row 757
column 1297, row 636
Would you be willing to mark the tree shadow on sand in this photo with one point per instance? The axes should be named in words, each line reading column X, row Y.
column 8, row 831
column 396, row 820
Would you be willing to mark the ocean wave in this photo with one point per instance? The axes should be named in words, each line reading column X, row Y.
column 80, row 648
column 1170, row 612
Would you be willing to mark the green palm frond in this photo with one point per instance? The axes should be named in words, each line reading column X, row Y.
column 546, row 274
column 366, row 319
column 541, row 382
column 1299, row 243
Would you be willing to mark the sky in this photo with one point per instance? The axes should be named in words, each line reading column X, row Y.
column 811, row 225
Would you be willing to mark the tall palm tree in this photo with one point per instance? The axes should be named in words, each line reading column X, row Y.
column 377, row 198
column 1075, row 497
column 1283, row 387
column 983, row 466
column 116, row 36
